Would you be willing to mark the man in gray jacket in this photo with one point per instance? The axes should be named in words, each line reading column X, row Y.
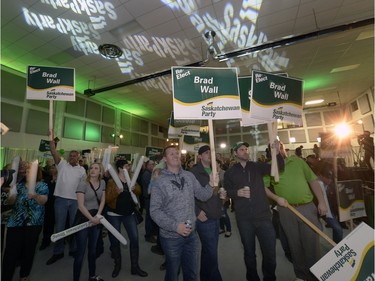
column 173, row 209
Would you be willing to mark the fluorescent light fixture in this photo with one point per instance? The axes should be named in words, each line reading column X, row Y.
column 310, row 102
column 345, row 68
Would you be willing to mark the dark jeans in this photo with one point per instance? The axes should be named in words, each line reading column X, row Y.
column 151, row 227
column 130, row 225
column 265, row 233
column 180, row 252
column 225, row 220
column 87, row 237
column 20, row 247
column 208, row 232
column 337, row 232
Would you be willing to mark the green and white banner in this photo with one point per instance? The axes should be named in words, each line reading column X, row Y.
column 50, row 83
column 192, row 144
column 205, row 93
column 178, row 128
column 351, row 259
column 245, row 94
column 351, row 199
column 153, row 153
column 276, row 97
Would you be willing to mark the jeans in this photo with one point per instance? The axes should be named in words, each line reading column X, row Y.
column 86, row 237
column 180, row 252
column 337, row 232
column 63, row 208
column 130, row 225
column 151, row 227
column 208, row 232
column 265, row 232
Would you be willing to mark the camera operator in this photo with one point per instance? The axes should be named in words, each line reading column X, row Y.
column 368, row 146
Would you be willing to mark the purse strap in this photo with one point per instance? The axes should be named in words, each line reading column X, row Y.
column 96, row 195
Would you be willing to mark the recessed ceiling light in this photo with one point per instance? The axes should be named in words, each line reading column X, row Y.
column 110, row 51
column 344, row 68
column 314, row 102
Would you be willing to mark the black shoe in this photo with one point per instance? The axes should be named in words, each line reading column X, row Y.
column 54, row 259
column 156, row 249
column 163, row 266
column 116, row 269
column 138, row 271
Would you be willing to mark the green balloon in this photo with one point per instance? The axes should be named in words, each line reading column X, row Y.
column 62, row 151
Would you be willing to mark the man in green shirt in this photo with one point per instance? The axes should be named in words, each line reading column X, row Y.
column 298, row 184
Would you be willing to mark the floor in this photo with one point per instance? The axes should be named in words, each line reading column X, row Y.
column 231, row 262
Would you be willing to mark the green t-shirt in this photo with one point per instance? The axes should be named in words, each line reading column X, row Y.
column 294, row 181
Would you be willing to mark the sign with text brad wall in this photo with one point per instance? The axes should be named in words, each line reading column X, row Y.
column 50, row 83
column 205, row 93
column 276, row 97
column 178, row 128
column 351, row 259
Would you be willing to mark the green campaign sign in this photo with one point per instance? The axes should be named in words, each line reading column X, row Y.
column 50, row 83
column 351, row 259
column 153, row 152
column 245, row 94
column 179, row 128
column 205, row 93
column 276, row 97
column 191, row 143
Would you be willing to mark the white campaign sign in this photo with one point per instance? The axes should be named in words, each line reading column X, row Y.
column 351, row 259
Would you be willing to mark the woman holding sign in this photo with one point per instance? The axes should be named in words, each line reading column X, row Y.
column 25, row 222
column 121, row 207
column 91, row 200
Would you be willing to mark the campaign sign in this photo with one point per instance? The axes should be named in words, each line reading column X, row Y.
column 179, row 128
column 193, row 144
column 205, row 93
column 50, row 83
column 351, row 259
column 44, row 146
column 245, row 94
column 276, row 97
column 351, row 200
column 153, row 152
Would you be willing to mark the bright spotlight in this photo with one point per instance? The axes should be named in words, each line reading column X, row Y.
column 342, row 130
column 183, row 151
column 223, row 145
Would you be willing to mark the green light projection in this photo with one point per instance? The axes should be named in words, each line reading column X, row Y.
column 315, row 83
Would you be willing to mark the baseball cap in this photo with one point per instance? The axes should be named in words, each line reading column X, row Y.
column 203, row 149
column 237, row 145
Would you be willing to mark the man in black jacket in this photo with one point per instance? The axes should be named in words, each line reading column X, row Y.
column 208, row 219
column 244, row 184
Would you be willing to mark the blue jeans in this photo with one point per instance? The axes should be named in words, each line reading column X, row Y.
column 208, row 232
column 63, row 208
column 265, row 233
column 151, row 227
column 180, row 252
column 86, row 237
column 130, row 225
column 337, row 232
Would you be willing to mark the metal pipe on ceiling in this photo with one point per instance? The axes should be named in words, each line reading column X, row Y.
column 275, row 44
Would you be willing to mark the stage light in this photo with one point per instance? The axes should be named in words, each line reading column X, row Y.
column 342, row 130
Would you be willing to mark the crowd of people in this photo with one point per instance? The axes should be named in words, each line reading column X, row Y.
column 184, row 203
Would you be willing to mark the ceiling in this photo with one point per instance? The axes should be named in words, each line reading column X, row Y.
column 307, row 39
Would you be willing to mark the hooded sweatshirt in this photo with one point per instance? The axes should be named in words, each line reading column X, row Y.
column 173, row 200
